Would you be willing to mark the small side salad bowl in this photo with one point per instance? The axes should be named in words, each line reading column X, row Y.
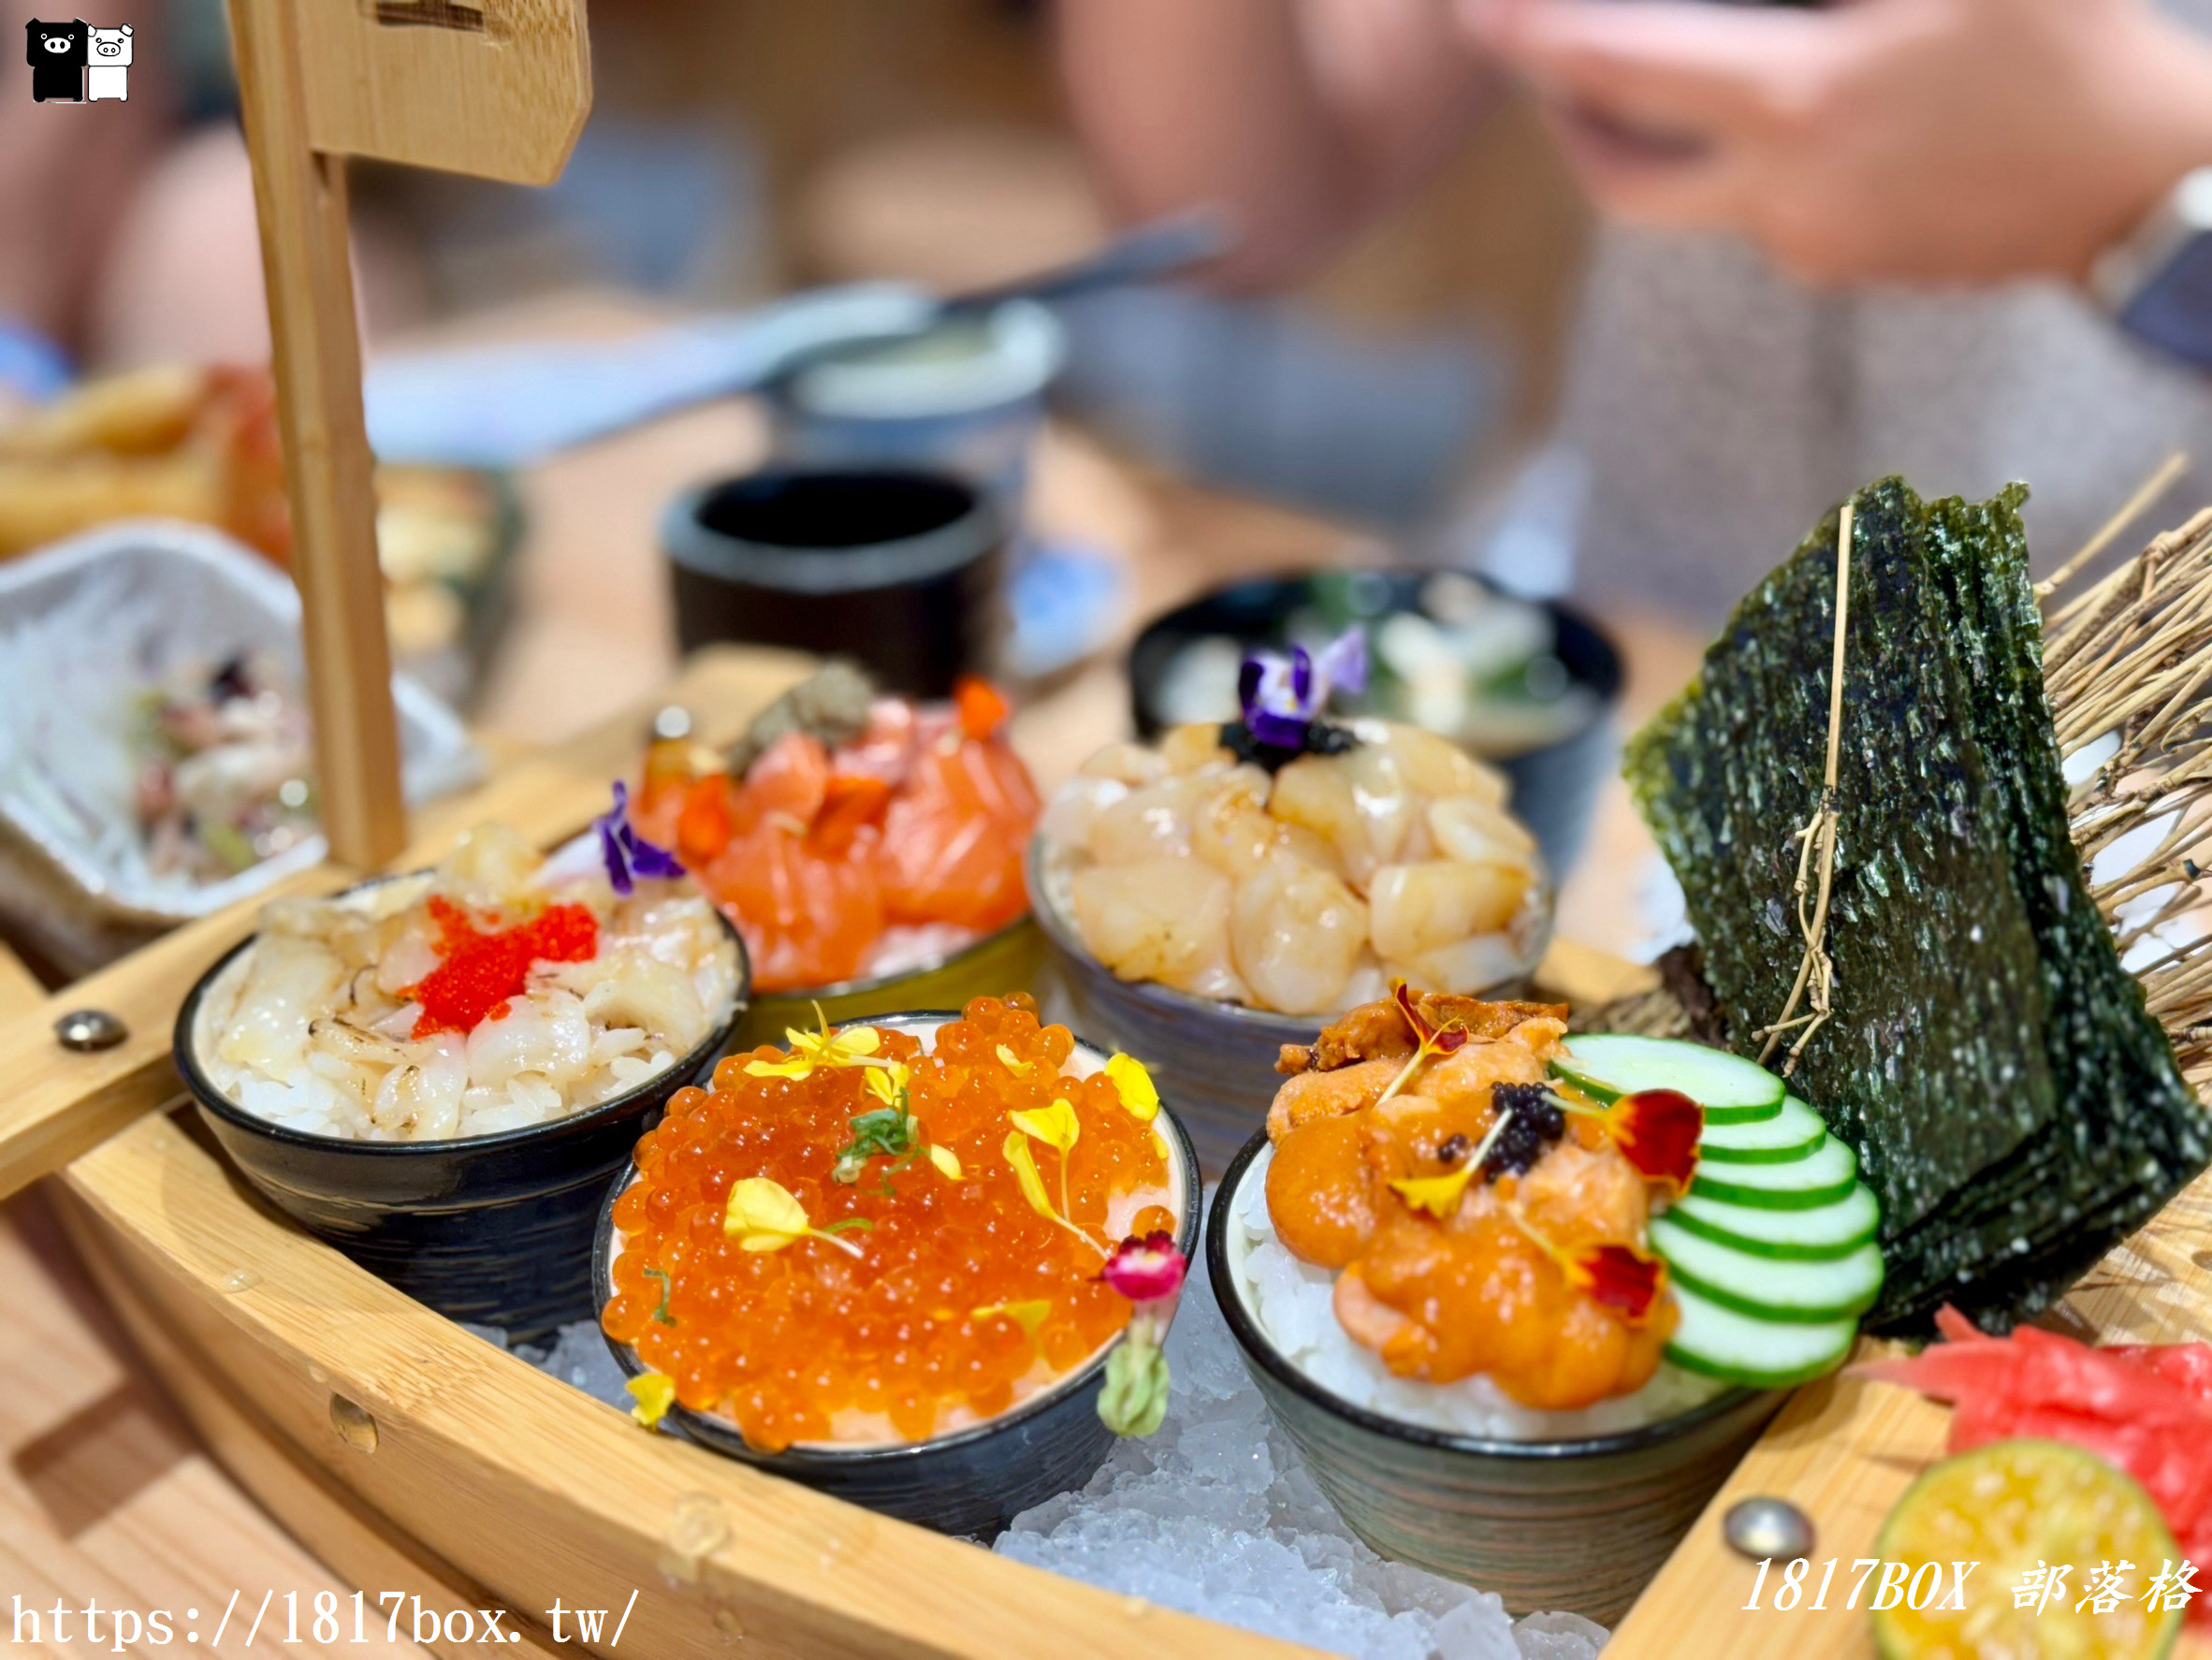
column 1579, row 1523
column 493, row 1229
column 971, row 1480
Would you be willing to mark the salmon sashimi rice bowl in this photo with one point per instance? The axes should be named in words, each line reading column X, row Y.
column 499, row 990
column 1294, row 864
column 851, row 837
column 1441, row 1231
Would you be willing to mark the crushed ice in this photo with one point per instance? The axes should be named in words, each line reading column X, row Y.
column 1217, row 1515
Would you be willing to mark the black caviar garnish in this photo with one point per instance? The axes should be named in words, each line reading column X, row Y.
column 1537, row 1123
column 1317, row 738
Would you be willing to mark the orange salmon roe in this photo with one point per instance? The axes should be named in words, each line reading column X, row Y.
column 477, row 971
column 810, row 1344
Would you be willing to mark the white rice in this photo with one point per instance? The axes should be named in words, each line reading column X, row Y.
column 1291, row 1302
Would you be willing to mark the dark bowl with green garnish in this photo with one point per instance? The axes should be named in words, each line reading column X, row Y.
column 1557, row 1521
column 1527, row 685
column 974, row 1479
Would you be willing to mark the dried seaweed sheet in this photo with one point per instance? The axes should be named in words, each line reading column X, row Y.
column 2115, row 1131
column 2132, row 1133
column 1933, row 1066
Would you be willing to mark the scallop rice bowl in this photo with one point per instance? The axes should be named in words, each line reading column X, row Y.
column 502, row 989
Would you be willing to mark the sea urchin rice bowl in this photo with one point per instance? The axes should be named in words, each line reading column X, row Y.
column 497, row 991
column 1291, row 1304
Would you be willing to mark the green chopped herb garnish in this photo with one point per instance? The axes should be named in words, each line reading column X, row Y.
column 892, row 1131
column 667, row 1285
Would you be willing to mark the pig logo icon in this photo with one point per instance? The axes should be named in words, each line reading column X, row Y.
column 107, row 64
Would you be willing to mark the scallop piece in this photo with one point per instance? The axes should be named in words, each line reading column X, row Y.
column 1481, row 964
column 1193, row 747
column 491, row 859
column 546, row 1031
column 1356, row 802
column 1151, row 820
column 1438, row 767
column 1073, row 811
column 1164, row 919
column 289, row 981
column 652, row 994
column 405, row 962
column 421, row 1101
column 1479, row 833
column 1418, row 908
column 1125, row 764
column 1296, row 933
column 1231, row 828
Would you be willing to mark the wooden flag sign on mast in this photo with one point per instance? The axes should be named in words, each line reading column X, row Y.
column 499, row 90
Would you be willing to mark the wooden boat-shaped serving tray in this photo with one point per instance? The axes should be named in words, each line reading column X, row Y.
column 410, row 1455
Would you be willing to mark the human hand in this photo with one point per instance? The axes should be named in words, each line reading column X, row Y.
column 1934, row 141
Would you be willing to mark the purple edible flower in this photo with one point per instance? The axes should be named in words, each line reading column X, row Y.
column 628, row 855
column 1282, row 698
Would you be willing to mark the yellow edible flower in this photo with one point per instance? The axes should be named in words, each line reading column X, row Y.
column 654, row 1394
column 1028, row 1315
column 1025, row 1168
column 1437, row 1195
column 945, row 1161
column 884, row 1083
column 855, row 1046
column 762, row 1214
column 1133, row 1084
column 1057, row 1126
column 1440, row 1195
column 1011, row 1061
column 1016, row 1150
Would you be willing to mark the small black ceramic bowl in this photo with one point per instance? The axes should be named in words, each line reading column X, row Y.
column 1578, row 1525
column 1554, row 785
column 970, row 1481
column 493, row 1229
column 898, row 568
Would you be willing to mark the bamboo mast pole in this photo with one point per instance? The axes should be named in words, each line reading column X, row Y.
column 299, row 197
column 498, row 89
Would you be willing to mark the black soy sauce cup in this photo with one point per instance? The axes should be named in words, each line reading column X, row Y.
column 899, row 569
column 492, row 1229
column 1554, row 785
column 972, row 1481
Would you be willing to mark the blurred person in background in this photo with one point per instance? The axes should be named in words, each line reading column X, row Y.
column 1839, row 242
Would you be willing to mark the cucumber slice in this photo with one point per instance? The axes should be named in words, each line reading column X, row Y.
column 1765, row 1354
column 1730, row 1089
column 1824, row 1230
column 1791, row 1133
column 1827, row 1173
column 1841, row 1288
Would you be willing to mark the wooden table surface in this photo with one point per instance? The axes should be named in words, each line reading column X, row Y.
column 105, row 1497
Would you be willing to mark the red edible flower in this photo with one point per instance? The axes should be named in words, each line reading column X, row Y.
column 1623, row 1279
column 1148, row 1269
column 1657, row 1131
column 1441, row 1040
